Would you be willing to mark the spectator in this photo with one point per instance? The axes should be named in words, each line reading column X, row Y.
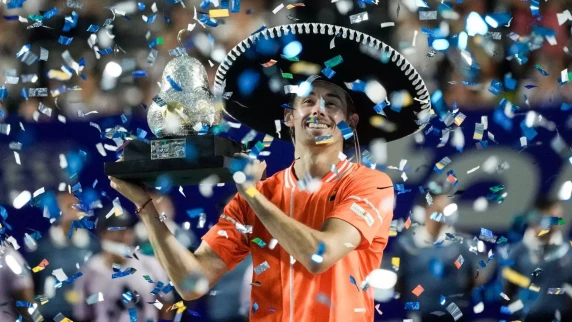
column 16, row 284
column 430, row 257
column 540, row 262
column 61, row 253
column 117, row 245
column 226, row 300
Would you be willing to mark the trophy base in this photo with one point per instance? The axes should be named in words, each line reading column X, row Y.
column 184, row 160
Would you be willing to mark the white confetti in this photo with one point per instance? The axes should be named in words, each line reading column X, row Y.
column 273, row 242
column 414, row 37
column 62, row 118
column 14, row 242
column 359, row 17
column 349, row 245
column 523, row 142
column 485, row 122
column 515, row 306
column 100, row 149
column 17, row 157
column 94, row 298
column 39, row 192
column 473, row 169
column 222, row 233
column 387, row 24
column 278, row 8
column 404, row 176
column 60, row 275
column 181, row 191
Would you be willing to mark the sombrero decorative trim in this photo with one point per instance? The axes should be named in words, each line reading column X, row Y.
column 369, row 47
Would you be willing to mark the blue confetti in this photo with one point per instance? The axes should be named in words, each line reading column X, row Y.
column 50, row 13
column 196, row 212
column 287, row 106
column 24, row 304
column 400, row 188
column 24, row 93
column 235, row 6
column 123, row 118
column 105, row 51
column 74, row 277
column 139, row 73
column 174, row 85
column 412, row 306
column 65, row 40
column 442, row 300
column 157, row 288
column 353, row 281
column 542, row 71
column 495, row 87
column 3, row 92
column 151, row 19
column 9, row 18
column 206, row 3
column 501, row 119
column 127, row 297
column 14, row 4
column 535, row 8
column 378, row 108
column 167, row 289
column 346, row 130
column 70, row 22
column 115, row 228
column 254, row 307
column 328, row 72
column 141, row 133
column 528, row 132
column 509, row 82
column 564, row 107
column 132, row 314
column 140, row 6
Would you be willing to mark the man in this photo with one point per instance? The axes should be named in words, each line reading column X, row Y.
column 538, row 273
column 122, row 293
column 330, row 217
column 16, row 284
column 435, row 261
column 61, row 253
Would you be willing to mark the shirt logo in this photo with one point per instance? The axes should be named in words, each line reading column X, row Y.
column 362, row 213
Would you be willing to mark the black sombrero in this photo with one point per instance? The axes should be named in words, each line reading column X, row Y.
column 256, row 93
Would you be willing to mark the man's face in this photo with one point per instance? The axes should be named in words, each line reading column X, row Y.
column 65, row 203
column 554, row 211
column 319, row 113
column 126, row 236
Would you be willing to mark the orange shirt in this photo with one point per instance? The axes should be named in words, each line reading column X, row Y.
column 287, row 291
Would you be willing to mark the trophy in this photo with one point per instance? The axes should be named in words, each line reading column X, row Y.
column 181, row 117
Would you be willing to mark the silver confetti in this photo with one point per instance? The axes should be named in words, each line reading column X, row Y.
column 359, row 17
column 244, row 229
column 29, row 78
column 429, row 199
column 38, row 92
column 15, row 146
column 427, row 15
column 44, row 53
column 45, row 110
column 261, row 268
column 454, row 310
column 202, row 220
column 5, row 128
column 177, row 52
column 94, row 298
column 13, row 80
column 493, row 35
column 29, row 58
column 74, row 4
column 152, row 56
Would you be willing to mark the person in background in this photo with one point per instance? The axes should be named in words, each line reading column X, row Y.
column 225, row 303
column 539, row 267
column 542, row 207
column 121, row 294
column 61, row 253
column 16, row 284
column 165, row 206
column 435, row 260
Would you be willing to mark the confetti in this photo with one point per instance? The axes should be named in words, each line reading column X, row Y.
column 269, row 63
column 418, row 290
column 261, row 268
column 94, row 298
column 259, row 242
column 427, row 15
column 294, row 5
column 278, row 8
column 555, row 291
column 324, row 139
column 412, row 306
column 454, row 310
column 439, row 166
column 359, row 17
column 460, row 260
column 387, row 24
column 218, row 13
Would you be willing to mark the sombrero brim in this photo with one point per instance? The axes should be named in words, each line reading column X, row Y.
column 258, row 92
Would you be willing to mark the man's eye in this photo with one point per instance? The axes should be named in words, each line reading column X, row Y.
column 307, row 101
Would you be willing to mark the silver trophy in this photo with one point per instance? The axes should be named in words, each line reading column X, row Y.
column 181, row 117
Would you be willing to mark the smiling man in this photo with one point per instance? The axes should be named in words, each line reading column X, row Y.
column 317, row 228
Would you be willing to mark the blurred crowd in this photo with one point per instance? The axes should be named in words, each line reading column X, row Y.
column 110, row 90
column 438, row 272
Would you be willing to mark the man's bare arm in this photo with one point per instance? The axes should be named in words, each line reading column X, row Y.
column 177, row 261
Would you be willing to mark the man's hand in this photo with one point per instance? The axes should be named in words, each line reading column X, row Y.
column 254, row 172
column 136, row 193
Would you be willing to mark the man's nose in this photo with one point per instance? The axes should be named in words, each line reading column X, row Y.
column 317, row 110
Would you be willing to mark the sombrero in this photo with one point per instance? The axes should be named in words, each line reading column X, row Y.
column 257, row 75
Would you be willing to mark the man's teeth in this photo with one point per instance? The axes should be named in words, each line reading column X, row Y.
column 317, row 126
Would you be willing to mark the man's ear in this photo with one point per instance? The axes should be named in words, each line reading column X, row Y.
column 354, row 119
column 288, row 118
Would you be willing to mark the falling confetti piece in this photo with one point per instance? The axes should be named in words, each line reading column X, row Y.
column 418, row 290
column 261, row 268
column 359, row 17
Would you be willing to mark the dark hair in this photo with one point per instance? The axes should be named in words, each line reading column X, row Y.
column 350, row 109
column 544, row 203
column 125, row 220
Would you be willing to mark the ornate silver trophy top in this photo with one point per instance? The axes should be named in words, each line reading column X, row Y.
column 185, row 102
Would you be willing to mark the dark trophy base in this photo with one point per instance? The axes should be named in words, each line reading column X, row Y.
column 145, row 162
